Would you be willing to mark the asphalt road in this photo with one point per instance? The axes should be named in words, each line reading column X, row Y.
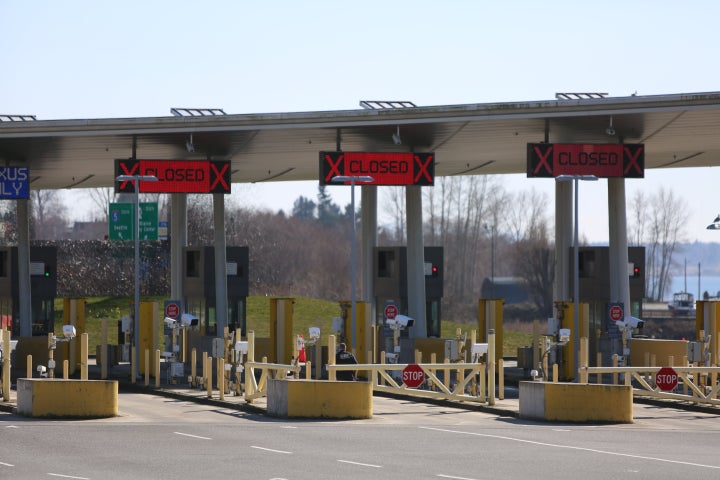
column 162, row 438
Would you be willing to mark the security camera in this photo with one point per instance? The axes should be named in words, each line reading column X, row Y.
column 391, row 357
column 479, row 349
column 631, row 322
column 241, row 347
column 634, row 322
column 188, row 320
column 41, row 370
column 610, row 131
column 68, row 331
column 564, row 335
column 170, row 322
column 400, row 321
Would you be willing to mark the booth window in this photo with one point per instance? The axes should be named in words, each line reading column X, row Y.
column 192, row 263
column 386, row 264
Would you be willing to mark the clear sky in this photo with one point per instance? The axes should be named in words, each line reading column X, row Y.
column 99, row 59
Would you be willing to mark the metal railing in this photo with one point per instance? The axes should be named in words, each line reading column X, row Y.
column 695, row 384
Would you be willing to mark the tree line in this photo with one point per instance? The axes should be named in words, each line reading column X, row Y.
column 485, row 230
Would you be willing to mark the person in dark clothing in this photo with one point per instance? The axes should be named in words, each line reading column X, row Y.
column 343, row 357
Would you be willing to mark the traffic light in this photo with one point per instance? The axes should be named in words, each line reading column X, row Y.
column 431, row 270
column 48, row 271
column 633, row 270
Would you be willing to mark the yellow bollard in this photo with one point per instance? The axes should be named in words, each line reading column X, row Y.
column 249, row 372
column 555, row 373
column 208, row 378
column 6, row 365
column 221, row 377
column 433, row 360
column 501, row 379
column 28, row 367
column 157, row 368
column 66, row 369
column 481, row 391
column 133, row 366
column 84, row 339
column 193, row 368
column 103, row 349
column 204, row 369
column 615, row 362
column 51, row 356
column 598, row 363
column 308, row 370
column 491, row 367
column 147, row 367
column 331, row 357
column 583, row 374
column 446, row 375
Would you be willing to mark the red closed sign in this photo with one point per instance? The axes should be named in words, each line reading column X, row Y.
column 413, row 375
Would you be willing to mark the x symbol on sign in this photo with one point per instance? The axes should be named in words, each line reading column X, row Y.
column 543, row 159
column 633, row 160
column 131, row 171
column 334, row 167
column 422, row 171
column 219, row 176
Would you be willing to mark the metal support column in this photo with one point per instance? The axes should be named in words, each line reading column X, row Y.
column 221, row 301
column 23, row 235
column 368, row 203
column 563, row 239
column 415, row 261
column 178, row 240
column 619, row 275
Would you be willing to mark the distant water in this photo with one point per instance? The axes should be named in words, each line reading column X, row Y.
column 709, row 284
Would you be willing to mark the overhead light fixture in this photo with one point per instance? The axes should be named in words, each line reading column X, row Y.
column 396, row 137
column 189, row 145
column 610, row 130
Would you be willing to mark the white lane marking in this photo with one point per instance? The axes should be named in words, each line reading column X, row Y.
column 12, row 426
column 583, row 449
column 286, row 426
column 6, row 464
column 192, row 436
column 271, row 450
column 360, row 464
column 456, row 478
column 67, row 476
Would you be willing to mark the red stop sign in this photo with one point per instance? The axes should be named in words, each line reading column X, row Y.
column 390, row 312
column 616, row 313
column 172, row 310
column 413, row 375
column 666, row 379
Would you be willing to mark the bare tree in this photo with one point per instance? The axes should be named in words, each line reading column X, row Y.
column 49, row 218
column 395, row 196
column 661, row 233
column 101, row 198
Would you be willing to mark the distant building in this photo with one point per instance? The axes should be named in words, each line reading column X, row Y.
column 89, row 231
column 510, row 289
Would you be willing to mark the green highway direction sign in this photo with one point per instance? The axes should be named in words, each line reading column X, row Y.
column 122, row 221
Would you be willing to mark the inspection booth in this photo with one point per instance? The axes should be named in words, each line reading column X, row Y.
column 199, row 292
column 391, row 288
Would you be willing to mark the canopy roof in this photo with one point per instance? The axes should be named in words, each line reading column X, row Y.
column 680, row 130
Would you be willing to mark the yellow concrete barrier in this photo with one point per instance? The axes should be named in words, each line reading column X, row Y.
column 576, row 402
column 319, row 399
column 60, row 398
